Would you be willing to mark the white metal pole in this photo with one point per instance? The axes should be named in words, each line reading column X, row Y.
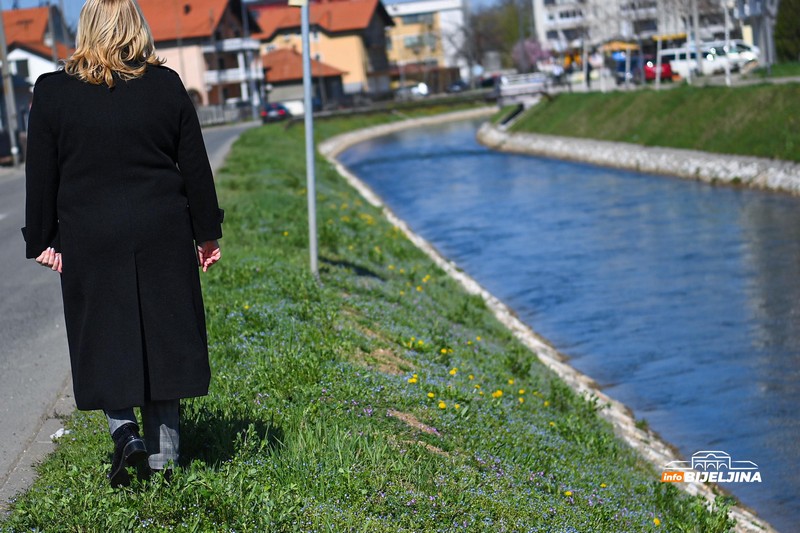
column 727, row 44
column 310, row 159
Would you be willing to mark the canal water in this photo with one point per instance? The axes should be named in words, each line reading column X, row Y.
column 680, row 299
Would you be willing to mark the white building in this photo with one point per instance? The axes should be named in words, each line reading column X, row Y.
column 562, row 25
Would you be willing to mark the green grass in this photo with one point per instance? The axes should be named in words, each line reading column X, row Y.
column 320, row 416
column 780, row 70
column 762, row 120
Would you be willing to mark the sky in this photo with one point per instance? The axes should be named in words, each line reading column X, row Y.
column 73, row 7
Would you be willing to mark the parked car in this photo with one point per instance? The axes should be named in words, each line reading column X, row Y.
column 650, row 69
column 642, row 67
column 458, row 86
column 274, row 112
column 412, row 92
column 739, row 53
column 683, row 60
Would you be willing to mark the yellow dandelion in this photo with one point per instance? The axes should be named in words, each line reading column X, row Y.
column 421, row 342
column 351, row 247
column 521, row 400
column 568, row 493
column 521, row 392
column 478, row 338
column 285, row 233
column 469, row 343
column 246, row 307
column 414, row 376
column 656, row 521
column 431, row 395
column 344, row 206
column 402, row 293
column 471, row 376
column 345, row 218
column 419, row 288
column 497, row 394
column 480, row 393
column 443, row 350
column 442, row 405
column 546, row 403
column 377, row 249
column 477, row 386
column 449, row 350
column 510, row 381
column 412, row 380
column 457, row 406
column 453, row 371
column 391, row 267
column 552, row 424
column 603, row 485
column 402, row 270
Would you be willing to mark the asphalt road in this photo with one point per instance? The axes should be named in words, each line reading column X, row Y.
column 34, row 362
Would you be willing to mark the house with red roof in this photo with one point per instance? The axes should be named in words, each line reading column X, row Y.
column 346, row 35
column 206, row 42
column 284, row 73
column 37, row 39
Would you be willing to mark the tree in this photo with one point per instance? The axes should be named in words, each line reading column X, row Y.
column 787, row 31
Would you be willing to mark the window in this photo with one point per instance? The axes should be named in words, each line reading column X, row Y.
column 418, row 18
column 21, row 68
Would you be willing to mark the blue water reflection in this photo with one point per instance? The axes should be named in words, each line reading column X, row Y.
column 682, row 300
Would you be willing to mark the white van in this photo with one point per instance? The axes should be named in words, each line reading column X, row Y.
column 681, row 60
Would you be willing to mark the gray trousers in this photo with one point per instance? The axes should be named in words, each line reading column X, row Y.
column 161, row 430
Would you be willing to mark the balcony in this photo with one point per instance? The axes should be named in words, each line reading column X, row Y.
column 221, row 77
column 232, row 45
column 233, row 75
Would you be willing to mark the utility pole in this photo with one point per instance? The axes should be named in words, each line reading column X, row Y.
column 51, row 27
column 8, row 88
column 696, row 32
column 248, row 62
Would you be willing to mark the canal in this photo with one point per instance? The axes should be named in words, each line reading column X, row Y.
column 682, row 300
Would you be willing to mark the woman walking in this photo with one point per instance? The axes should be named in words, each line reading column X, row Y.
column 121, row 202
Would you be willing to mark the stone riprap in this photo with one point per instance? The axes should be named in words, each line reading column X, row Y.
column 754, row 172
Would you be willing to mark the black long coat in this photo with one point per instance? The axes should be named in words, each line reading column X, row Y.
column 118, row 180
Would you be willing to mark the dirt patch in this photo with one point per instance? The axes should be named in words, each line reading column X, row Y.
column 412, row 421
column 430, row 447
column 385, row 361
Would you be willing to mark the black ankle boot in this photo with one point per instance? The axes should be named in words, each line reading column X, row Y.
column 129, row 450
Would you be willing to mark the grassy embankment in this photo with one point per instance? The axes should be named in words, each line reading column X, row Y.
column 762, row 120
column 382, row 399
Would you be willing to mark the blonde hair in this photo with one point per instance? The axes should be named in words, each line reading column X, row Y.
column 113, row 36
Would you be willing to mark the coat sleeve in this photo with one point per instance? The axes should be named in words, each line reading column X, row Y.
column 196, row 171
column 41, row 179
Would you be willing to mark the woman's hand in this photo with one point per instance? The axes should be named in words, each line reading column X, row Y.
column 51, row 259
column 207, row 254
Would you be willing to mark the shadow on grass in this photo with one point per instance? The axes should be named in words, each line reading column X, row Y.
column 356, row 269
column 213, row 437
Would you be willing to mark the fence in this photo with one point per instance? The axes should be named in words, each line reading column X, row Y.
column 211, row 115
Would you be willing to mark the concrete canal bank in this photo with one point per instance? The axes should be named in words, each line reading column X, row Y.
column 754, row 172
column 650, row 446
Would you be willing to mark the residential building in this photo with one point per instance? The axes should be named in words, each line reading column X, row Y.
column 428, row 37
column 284, row 74
column 33, row 37
column 348, row 35
column 563, row 25
column 206, row 42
